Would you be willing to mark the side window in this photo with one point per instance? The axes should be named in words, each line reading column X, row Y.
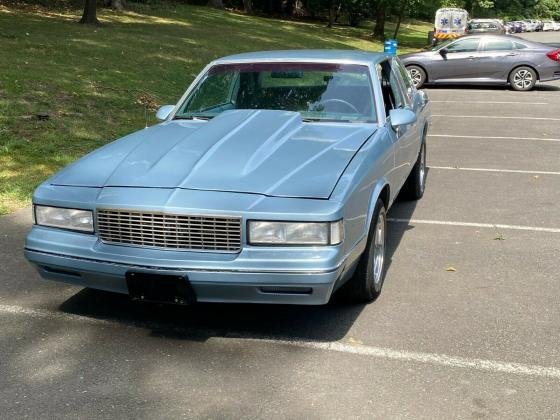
column 391, row 88
column 464, row 45
column 498, row 45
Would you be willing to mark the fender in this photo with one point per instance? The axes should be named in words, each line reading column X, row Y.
column 360, row 245
column 375, row 194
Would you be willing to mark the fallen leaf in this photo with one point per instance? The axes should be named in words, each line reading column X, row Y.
column 450, row 269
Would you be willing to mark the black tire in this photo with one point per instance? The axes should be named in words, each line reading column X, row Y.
column 415, row 184
column 418, row 75
column 366, row 283
column 523, row 78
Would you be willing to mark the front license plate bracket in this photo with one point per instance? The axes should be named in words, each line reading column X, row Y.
column 160, row 288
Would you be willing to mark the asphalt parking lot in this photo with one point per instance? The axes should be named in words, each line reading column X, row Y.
column 468, row 324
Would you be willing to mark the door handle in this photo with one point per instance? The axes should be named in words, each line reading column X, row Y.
column 472, row 57
column 512, row 55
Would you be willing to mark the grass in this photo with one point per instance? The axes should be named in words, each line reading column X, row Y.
column 96, row 84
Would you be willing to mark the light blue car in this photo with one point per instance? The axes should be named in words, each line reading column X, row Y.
column 268, row 182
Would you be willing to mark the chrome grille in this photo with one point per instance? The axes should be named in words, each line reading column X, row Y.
column 174, row 231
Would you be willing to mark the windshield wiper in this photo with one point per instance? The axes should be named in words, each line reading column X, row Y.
column 306, row 119
column 194, row 117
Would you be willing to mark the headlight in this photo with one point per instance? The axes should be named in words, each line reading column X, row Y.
column 72, row 219
column 289, row 233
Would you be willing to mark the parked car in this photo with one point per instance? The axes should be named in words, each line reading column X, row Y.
column 268, row 182
column 531, row 25
column 524, row 26
column 548, row 25
column 515, row 27
column 557, row 26
column 477, row 26
column 539, row 26
column 488, row 59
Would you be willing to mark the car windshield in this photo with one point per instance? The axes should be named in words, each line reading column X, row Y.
column 318, row 91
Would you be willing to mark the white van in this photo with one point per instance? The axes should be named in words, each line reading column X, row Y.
column 450, row 23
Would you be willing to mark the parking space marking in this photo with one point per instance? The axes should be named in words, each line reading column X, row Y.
column 497, row 117
column 490, row 102
column 472, row 224
column 454, row 136
column 493, row 366
column 511, row 171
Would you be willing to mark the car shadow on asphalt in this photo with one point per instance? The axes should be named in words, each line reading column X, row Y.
column 202, row 321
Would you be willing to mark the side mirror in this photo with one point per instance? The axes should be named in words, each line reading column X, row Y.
column 164, row 112
column 443, row 52
column 401, row 117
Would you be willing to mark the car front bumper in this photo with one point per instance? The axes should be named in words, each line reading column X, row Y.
column 283, row 276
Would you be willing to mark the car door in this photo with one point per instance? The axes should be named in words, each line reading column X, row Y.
column 410, row 144
column 404, row 137
column 456, row 61
column 497, row 57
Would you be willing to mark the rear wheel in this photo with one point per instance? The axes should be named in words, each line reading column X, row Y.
column 523, row 78
column 418, row 75
column 366, row 284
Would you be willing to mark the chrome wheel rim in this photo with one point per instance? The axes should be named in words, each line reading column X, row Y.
column 379, row 249
column 422, row 172
column 416, row 76
column 523, row 79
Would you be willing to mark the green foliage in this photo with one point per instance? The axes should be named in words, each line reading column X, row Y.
column 548, row 9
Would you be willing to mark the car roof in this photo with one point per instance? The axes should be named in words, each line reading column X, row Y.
column 339, row 56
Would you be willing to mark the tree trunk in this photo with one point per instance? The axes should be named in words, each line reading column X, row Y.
column 216, row 3
column 379, row 30
column 118, row 4
column 89, row 16
column 290, row 6
column 248, row 6
column 331, row 14
column 404, row 4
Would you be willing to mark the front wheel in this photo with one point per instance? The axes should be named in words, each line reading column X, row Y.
column 367, row 281
column 415, row 184
column 523, row 78
column 417, row 75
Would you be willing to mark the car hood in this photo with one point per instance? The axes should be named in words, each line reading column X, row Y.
column 418, row 54
column 250, row 151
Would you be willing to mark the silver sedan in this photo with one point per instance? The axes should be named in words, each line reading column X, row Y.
column 485, row 59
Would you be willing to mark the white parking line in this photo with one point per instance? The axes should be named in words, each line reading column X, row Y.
column 454, row 136
column 497, row 117
column 493, row 366
column 470, row 224
column 510, row 171
column 489, row 102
